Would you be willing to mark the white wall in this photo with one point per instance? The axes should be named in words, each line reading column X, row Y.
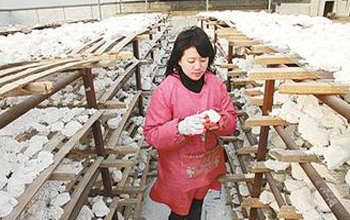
column 314, row 8
column 22, row 4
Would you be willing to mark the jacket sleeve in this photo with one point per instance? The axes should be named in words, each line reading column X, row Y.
column 227, row 112
column 161, row 130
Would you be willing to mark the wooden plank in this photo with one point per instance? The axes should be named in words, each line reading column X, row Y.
column 235, row 178
column 253, row 203
column 112, row 209
column 234, row 38
column 94, row 47
column 118, row 84
column 226, row 65
column 118, row 163
column 108, row 60
column 22, row 74
column 117, row 132
column 108, row 45
column 225, row 32
column 31, row 88
column 242, row 43
column 126, row 173
column 81, row 192
column 253, row 92
column 258, row 49
column 229, row 138
column 242, row 81
column 257, row 100
column 112, row 104
column 281, row 73
column 119, row 150
column 126, row 202
column 63, row 176
column 313, row 88
column 17, row 69
column 237, row 73
column 293, row 156
column 117, row 48
column 265, row 120
column 32, row 189
column 24, row 81
column 86, row 45
column 142, row 184
column 258, row 167
column 275, row 59
column 247, row 150
column 54, row 142
column 288, row 212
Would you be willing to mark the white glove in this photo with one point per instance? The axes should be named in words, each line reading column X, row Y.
column 192, row 125
column 213, row 116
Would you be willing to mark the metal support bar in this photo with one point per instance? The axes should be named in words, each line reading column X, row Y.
column 337, row 104
column 332, row 201
column 215, row 37
column 23, row 107
column 263, row 140
column 229, row 60
column 151, row 38
column 96, row 129
column 138, row 74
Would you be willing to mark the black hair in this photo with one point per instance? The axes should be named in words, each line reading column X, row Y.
column 193, row 37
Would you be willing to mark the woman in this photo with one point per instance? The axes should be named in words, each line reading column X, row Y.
column 190, row 158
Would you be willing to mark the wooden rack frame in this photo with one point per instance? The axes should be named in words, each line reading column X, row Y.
column 328, row 97
column 22, row 78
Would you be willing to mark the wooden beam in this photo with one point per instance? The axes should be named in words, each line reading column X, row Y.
column 113, row 140
column 281, row 73
column 118, row 84
column 229, row 138
column 276, row 59
column 235, row 178
column 235, row 38
column 253, row 92
column 118, row 163
column 112, row 104
column 26, row 80
column 265, row 120
column 247, row 150
column 81, row 192
column 288, row 212
column 293, row 156
column 259, row 49
column 253, row 203
column 258, row 167
column 242, row 81
column 32, row 189
column 86, row 45
column 237, row 73
column 257, row 100
column 31, row 88
column 313, row 88
column 226, row 65
column 242, row 43
column 19, row 68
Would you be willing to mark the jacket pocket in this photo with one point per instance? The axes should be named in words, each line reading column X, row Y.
column 205, row 164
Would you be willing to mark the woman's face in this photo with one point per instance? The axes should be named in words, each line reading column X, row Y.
column 192, row 64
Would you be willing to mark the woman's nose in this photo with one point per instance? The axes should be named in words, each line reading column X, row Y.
column 197, row 65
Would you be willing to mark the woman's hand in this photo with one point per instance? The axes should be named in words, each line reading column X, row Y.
column 192, row 125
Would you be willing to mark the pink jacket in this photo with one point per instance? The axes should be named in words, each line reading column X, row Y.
column 171, row 102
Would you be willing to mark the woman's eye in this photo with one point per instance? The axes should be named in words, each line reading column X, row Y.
column 190, row 61
column 203, row 60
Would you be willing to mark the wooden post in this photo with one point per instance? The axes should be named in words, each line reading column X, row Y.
column 263, row 140
column 138, row 74
column 96, row 129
